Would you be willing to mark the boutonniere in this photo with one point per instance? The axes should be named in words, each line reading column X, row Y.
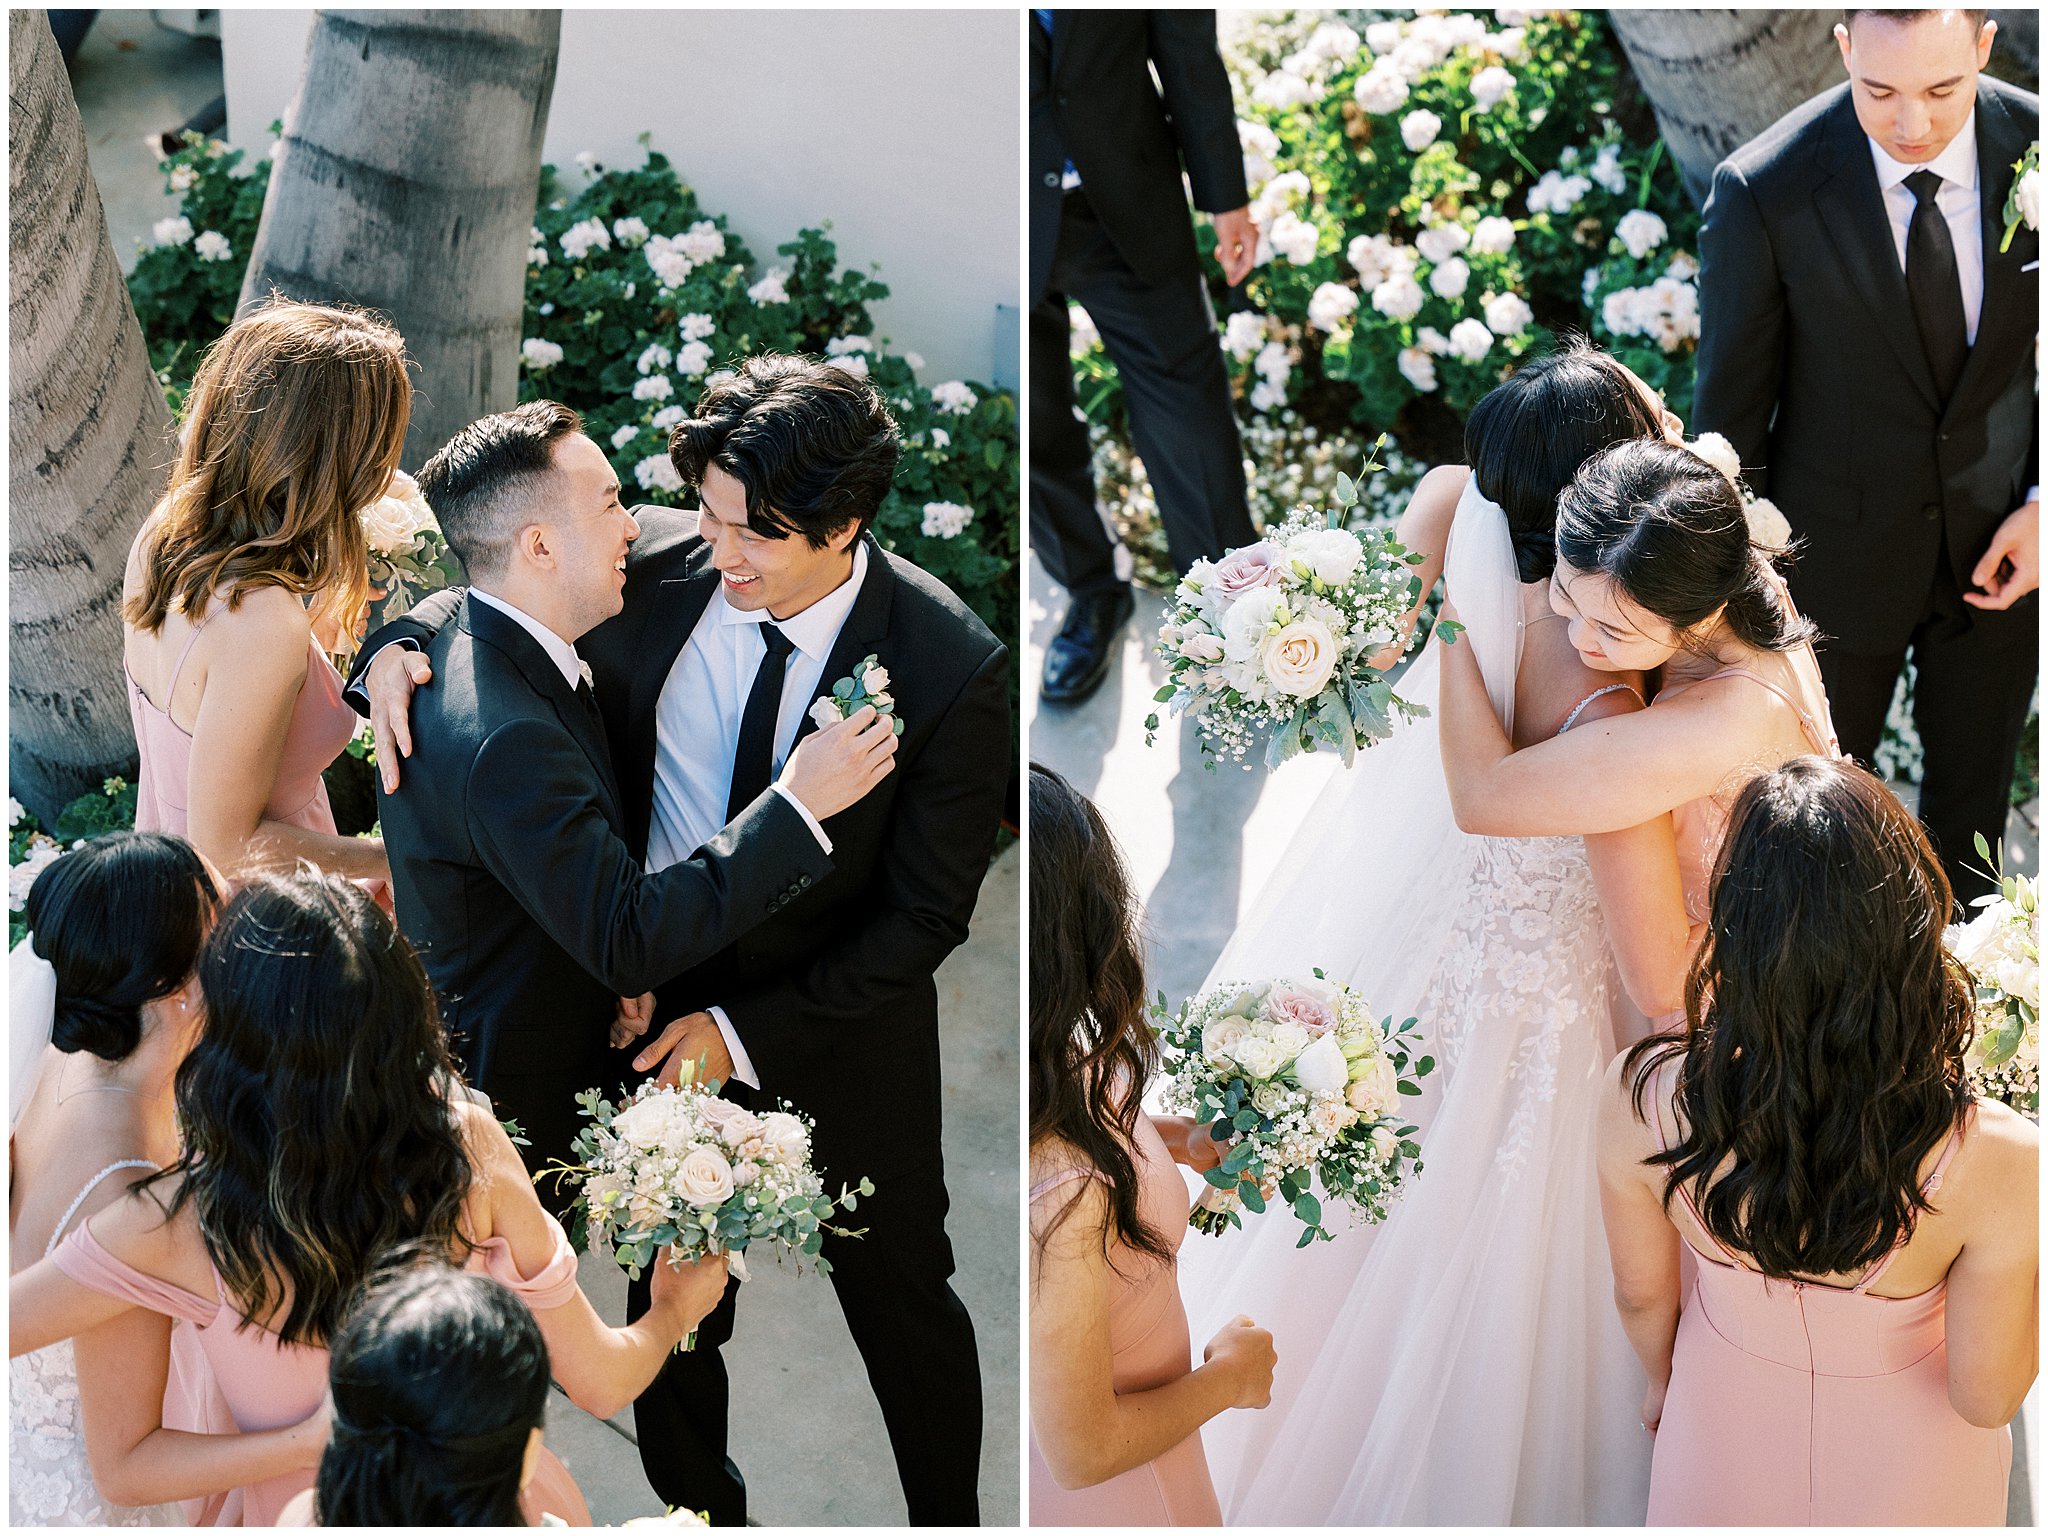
column 868, row 685
column 2023, row 202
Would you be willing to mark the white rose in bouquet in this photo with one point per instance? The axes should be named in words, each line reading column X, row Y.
column 1331, row 554
column 1718, row 452
column 1291, row 1038
column 2027, row 196
column 705, row 1178
column 1321, row 1067
column 1300, row 658
column 785, row 1137
column 1258, row 1056
column 645, row 1125
column 1223, row 1036
column 1245, row 626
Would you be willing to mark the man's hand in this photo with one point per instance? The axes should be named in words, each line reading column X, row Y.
column 2011, row 567
column 632, row 1019
column 394, row 672
column 833, row 767
column 1237, row 243
column 694, row 1038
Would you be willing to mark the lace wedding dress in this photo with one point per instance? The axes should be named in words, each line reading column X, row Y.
column 1463, row 1363
column 49, row 1481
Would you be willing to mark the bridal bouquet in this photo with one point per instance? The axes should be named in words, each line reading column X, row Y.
column 1276, row 637
column 679, row 1165
column 409, row 558
column 2001, row 949
column 1305, row 1086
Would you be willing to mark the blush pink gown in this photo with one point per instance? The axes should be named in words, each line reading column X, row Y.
column 269, row 1384
column 321, row 726
column 1795, row 1403
column 1149, row 1347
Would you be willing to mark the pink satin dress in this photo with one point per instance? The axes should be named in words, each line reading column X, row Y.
column 1149, row 1347
column 321, row 726
column 1798, row 1403
column 269, row 1384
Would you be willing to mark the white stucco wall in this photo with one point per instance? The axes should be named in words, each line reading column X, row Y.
column 901, row 127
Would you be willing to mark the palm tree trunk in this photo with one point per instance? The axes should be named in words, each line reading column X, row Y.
column 90, row 438
column 406, row 184
column 1717, row 79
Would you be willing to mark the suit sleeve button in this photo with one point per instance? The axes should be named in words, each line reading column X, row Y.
column 1052, row 178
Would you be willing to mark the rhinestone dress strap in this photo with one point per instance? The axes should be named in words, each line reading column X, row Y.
column 78, row 1199
column 1572, row 719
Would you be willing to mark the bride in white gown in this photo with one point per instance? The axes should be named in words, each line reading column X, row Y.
column 1463, row 1362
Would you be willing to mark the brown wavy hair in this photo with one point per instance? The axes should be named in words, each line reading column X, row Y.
column 1825, row 1027
column 296, row 421
column 1092, row 1050
column 314, row 1112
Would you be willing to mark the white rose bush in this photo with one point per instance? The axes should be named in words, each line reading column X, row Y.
column 1304, row 1087
column 680, row 1167
column 2001, row 949
column 1275, row 637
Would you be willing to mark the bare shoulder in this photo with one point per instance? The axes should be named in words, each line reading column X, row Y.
column 265, row 616
column 1554, row 681
column 2003, row 1145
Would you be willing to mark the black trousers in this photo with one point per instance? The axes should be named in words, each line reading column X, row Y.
column 1164, row 343
column 913, row 1335
column 1971, row 688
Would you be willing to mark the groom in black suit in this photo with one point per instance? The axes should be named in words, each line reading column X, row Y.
column 1870, row 352
column 737, row 620
column 509, row 860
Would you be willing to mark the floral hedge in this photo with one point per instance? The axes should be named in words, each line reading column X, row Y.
column 636, row 297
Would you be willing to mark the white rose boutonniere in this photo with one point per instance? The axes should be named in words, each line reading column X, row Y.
column 2023, row 202
column 869, row 684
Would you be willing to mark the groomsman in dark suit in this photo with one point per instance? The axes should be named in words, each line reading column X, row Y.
column 509, row 860
column 1870, row 352
column 1110, row 228
column 737, row 620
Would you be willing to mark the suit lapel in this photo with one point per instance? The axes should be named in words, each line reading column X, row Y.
column 863, row 630
column 1852, row 213
column 2006, row 323
column 498, row 631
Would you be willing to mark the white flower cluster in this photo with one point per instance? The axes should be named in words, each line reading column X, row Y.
column 538, row 255
column 2001, row 948
column 954, row 398
column 867, row 684
column 1640, row 232
column 672, row 258
column 770, row 289
column 655, row 359
column 1275, row 636
column 394, row 525
column 683, row 1166
column 579, row 240
column 630, row 232
column 946, row 519
column 1305, row 1087
column 1667, row 310
column 175, row 230
column 212, row 245
column 1274, row 366
column 657, row 472
column 41, row 853
column 1558, row 193
column 538, row 354
column 654, row 387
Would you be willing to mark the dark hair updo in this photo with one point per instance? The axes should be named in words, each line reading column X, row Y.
column 1671, row 531
column 1528, row 436
column 439, row 1379
column 121, row 921
column 1825, row 1027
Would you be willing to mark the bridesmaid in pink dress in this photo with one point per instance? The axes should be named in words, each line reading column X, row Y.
column 1860, row 1325
column 250, row 570
column 1117, row 1402
column 320, row 1135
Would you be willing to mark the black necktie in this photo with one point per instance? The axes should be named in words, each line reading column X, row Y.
column 753, row 764
column 1933, row 285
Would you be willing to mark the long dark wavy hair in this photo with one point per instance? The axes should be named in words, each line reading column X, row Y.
column 121, row 921
column 1671, row 531
column 439, row 1379
column 1825, row 1027
column 1092, row 1050
column 316, row 1127
column 1529, row 434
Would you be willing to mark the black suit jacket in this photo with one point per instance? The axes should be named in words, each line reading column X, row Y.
column 1093, row 102
column 832, row 994
column 514, row 881
column 1810, row 365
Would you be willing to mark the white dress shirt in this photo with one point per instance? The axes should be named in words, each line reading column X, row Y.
column 1958, row 201
column 560, row 651
column 697, row 727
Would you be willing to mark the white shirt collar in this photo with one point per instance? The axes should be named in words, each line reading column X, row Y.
column 813, row 630
column 560, row 651
column 1956, row 164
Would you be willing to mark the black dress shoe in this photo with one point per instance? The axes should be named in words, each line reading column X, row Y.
column 1078, row 659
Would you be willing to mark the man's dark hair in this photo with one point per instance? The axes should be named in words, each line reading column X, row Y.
column 812, row 445
column 480, row 483
column 1976, row 17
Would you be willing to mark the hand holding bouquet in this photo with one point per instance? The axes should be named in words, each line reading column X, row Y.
column 2001, row 949
column 1280, row 636
column 679, row 1167
column 1306, row 1085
